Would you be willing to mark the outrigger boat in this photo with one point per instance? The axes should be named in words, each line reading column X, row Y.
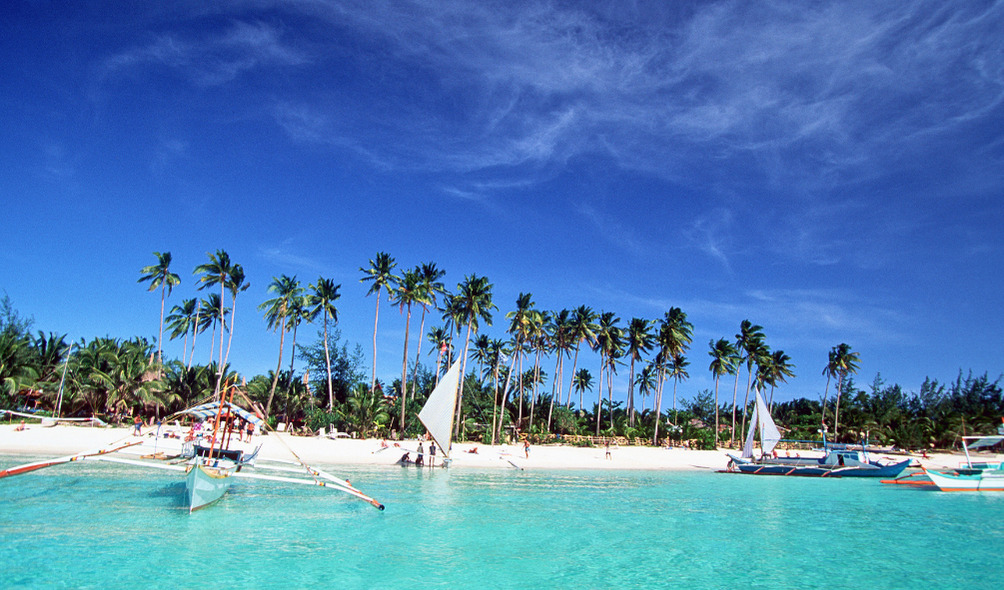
column 836, row 462
column 437, row 415
column 982, row 476
column 209, row 470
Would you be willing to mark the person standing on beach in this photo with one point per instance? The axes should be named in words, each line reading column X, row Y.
column 526, row 447
column 420, row 460
column 607, row 447
column 432, row 454
column 137, row 425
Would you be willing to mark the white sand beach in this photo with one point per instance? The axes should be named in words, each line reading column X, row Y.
column 38, row 441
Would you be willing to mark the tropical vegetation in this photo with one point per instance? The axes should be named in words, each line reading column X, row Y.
column 529, row 383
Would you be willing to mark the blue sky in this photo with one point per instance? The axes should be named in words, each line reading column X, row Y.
column 830, row 171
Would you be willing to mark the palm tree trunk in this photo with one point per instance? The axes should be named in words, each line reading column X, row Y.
column 327, row 360
column 631, row 394
column 836, row 412
column 418, row 355
column 599, row 395
column 376, row 318
column 160, row 339
column 555, row 390
column 716, row 412
column 575, row 361
column 658, row 403
column 533, row 391
column 404, row 367
column 278, row 366
column 746, row 400
column 463, row 375
column 735, row 392
column 195, row 332
column 822, row 414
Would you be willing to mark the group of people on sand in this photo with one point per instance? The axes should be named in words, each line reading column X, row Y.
column 419, row 460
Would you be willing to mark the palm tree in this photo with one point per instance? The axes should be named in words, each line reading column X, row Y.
column 215, row 314
column 583, row 329
column 830, row 370
column 847, row 364
column 757, row 354
column 606, row 332
column 298, row 311
column 560, row 335
column 429, row 289
column 235, row 284
column 646, row 381
column 380, row 272
column 216, row 272
column 724, row 360
column 474, row 303
column 405, row 293
column 323, row 295
column 582, row 381
column 678, row 370
column 520, row 321
column 181, row 321
column 674, row 336
column 748, row 332
column 780, row 368
column 161, row 276
column 277, row 312
column 639, row 342
column 441, row 340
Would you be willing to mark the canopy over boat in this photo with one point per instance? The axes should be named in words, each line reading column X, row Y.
column 208, row 410
column 983, row 441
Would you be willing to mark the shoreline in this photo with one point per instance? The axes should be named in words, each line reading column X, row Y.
column 38, row 441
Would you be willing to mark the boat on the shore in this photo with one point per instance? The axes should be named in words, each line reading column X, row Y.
column 979, row 476
column 210, row 468
column 437, row 417
column 837, row 461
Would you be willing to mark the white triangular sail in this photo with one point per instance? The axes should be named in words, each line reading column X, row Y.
column 748, row 445
column 769, row 434
column 437, row 413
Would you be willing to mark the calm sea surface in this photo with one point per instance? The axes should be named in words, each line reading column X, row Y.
column 95, row 525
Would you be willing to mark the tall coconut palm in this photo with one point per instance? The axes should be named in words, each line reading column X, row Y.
column 646, row 381
column 214, row 315
column 474, row 304
column 583, row 329
column 216, row 272
column 429, row 289
column 181, row 321
column 582, row 382
column 286, row 290
column 830, row 370
column 519, row 328
column 757, row 355
column 639, row 342
column 235, row 284
column 160, row 275
column 748, row 333
column 675, row 333
column 560, row 337
column 298, row 311
column 678, row 371
column 537, row 339
column 381, row 274
column 606, row 332
column 724, row 360
column 780, row 369
column 405, row 294
column 441, row 340
column 323, row 295
column 847, row 364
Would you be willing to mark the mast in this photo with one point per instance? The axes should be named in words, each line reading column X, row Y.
column 59, row 398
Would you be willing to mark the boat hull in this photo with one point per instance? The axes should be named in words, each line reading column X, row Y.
column 987, row 481
column 803, row 469
column 205, row 485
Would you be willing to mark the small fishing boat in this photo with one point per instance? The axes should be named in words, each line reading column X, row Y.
column 437, row 415
column 836, row 462
column 980, row 476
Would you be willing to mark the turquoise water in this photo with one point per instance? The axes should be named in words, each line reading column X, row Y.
column 94, row 525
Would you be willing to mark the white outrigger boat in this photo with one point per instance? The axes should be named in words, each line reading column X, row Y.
column 980, row 476
column 210, row 470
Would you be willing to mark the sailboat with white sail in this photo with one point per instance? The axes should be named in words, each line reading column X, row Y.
column 834, row 463
column 438, row 412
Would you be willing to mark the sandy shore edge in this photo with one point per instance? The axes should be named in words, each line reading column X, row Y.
column 37, row 441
